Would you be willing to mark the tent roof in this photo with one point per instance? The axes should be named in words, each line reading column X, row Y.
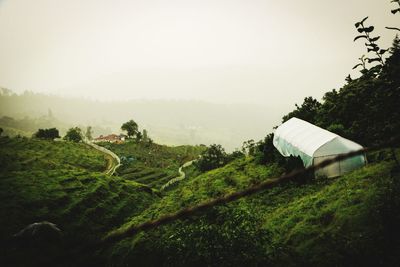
column 314, row 144
column 302, row 135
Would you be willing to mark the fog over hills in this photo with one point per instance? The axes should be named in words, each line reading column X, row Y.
column 172, row 122
column 208, row 55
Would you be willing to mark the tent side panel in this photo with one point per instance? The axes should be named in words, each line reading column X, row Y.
column 329, row 171
column 287, row 150
column 340, row 167
column 351, row 164
column 338, row 145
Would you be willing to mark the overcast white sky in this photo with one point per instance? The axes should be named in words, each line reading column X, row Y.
column 226, row 51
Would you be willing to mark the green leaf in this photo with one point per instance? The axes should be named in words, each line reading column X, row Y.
column 357, row 24
column 360, row 36
column 369, row 29
column 383, row 51
column 393, row 28
column 363, row 20
column 370, row 60
column 375, row 49
column 394, row 11
column 375, row 39
column 356, row 66
column 360, row 30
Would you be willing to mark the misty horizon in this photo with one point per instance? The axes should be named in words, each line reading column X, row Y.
column 171, row 122
column 219, row 52
column 190, row 72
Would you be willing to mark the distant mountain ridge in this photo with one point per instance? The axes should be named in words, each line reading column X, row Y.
column 170, row 122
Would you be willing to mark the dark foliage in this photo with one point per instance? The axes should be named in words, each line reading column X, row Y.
column 51, row 133
column 266, row 152
column 235, row 155
column 130, row 127
column 212, row 158
column 307, row 111
column 350, row 110
column 74, row 135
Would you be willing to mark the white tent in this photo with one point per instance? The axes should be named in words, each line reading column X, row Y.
column 313, row 144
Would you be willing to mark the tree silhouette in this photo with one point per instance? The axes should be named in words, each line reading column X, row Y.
column 74, row 135
column 51, row 133
column 89, row 133
column 130, row 127
column 214, row 157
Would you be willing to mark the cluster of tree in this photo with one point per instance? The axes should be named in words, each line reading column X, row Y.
column 132, row 131
column 51, row 134
column 74, row 135
column 215, row 157
column 365, row 109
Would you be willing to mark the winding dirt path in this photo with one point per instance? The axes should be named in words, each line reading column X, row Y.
column 114, row 162
column 181, row 176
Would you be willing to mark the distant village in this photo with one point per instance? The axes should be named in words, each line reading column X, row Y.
column 132, row 130
column 111, row 138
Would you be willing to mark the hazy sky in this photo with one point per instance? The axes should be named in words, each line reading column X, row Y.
column 256, row 51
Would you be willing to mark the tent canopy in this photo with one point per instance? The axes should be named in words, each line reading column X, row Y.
column 314, row 144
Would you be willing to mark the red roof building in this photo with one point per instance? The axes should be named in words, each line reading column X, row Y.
column 111, row 138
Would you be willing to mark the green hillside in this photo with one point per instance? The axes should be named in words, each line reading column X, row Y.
column 346, row 221
column 351, row 220
column 152, row 164
column 61, row 182
column 317, row 222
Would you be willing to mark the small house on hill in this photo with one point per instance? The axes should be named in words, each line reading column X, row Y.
column 313, row 145
column 111, row 138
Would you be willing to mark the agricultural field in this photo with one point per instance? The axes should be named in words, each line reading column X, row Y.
column 152, row 164
column 350, row 215
column 61, row 182
column 64, row 183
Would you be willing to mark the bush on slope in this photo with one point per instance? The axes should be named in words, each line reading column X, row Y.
column 345, row 221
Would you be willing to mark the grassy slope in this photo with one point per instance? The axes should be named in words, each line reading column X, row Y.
column 153, row 164
column 62, row 182
column 349, row 221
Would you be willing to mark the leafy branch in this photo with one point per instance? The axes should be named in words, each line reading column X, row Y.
column 363, row 63
column 370, row 44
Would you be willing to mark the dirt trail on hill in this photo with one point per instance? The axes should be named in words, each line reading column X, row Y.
column 181, row 176
column 114, row 161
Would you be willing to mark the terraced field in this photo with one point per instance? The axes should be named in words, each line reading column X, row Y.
column 152, row 164
column 153, row 177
